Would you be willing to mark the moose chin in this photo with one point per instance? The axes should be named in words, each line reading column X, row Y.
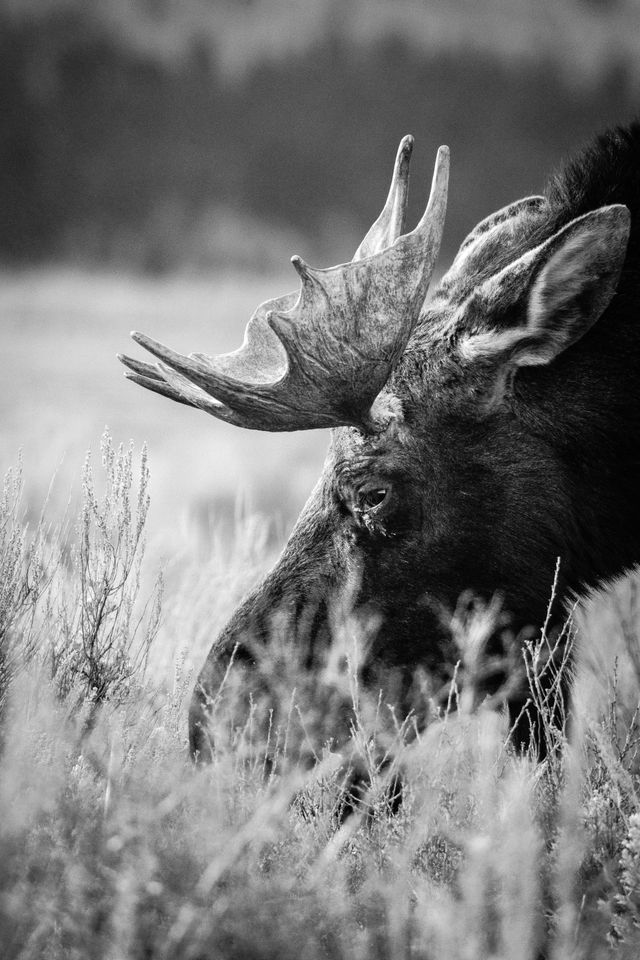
column 478, row 438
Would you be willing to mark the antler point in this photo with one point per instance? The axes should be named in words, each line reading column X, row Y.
column 301, row 267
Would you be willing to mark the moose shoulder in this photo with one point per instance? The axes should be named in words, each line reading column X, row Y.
column 476, row 438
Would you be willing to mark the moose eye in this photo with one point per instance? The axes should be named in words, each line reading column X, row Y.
column 373, row 498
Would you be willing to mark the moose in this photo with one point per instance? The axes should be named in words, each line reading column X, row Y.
column 478, row 437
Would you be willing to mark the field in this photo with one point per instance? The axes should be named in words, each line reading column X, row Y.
column 111, row 844
column 62, row 385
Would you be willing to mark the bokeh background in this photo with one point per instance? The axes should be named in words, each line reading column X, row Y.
column 160, row 161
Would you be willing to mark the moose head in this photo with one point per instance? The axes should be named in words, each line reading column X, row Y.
column 470, row 433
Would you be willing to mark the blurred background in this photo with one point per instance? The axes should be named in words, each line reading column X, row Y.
column 161, row 160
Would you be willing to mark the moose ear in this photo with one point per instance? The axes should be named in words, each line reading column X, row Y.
column 566, row 284
column 573, row 283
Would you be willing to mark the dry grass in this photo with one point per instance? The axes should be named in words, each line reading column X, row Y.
column 112, row 845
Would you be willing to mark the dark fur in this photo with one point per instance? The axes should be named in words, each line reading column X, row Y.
column 486, row 493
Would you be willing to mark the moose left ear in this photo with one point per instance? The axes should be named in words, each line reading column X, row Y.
column 566, row 283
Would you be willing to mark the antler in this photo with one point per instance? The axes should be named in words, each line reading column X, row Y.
column 319, row 358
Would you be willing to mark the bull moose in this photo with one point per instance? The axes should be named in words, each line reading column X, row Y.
column 476, row 437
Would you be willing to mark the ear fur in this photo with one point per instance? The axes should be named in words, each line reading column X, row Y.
column 576, row 282
column 569, row 281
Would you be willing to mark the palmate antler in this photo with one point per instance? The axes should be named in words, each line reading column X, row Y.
column 319, row 357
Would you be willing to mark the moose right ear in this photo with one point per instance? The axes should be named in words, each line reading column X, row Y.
column 567, row 283
column 574, row 282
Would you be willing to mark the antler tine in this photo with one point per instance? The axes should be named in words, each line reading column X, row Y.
column 390, row 224
column 158, row 386
column 436, row 209
column 139, row 367
column 161, row 379
column 423, row 243
column 319, row 358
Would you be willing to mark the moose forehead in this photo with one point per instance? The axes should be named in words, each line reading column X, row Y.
column 353, row 455
column 430, row 406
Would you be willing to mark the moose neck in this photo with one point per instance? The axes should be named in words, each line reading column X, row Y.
column 586, row 406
